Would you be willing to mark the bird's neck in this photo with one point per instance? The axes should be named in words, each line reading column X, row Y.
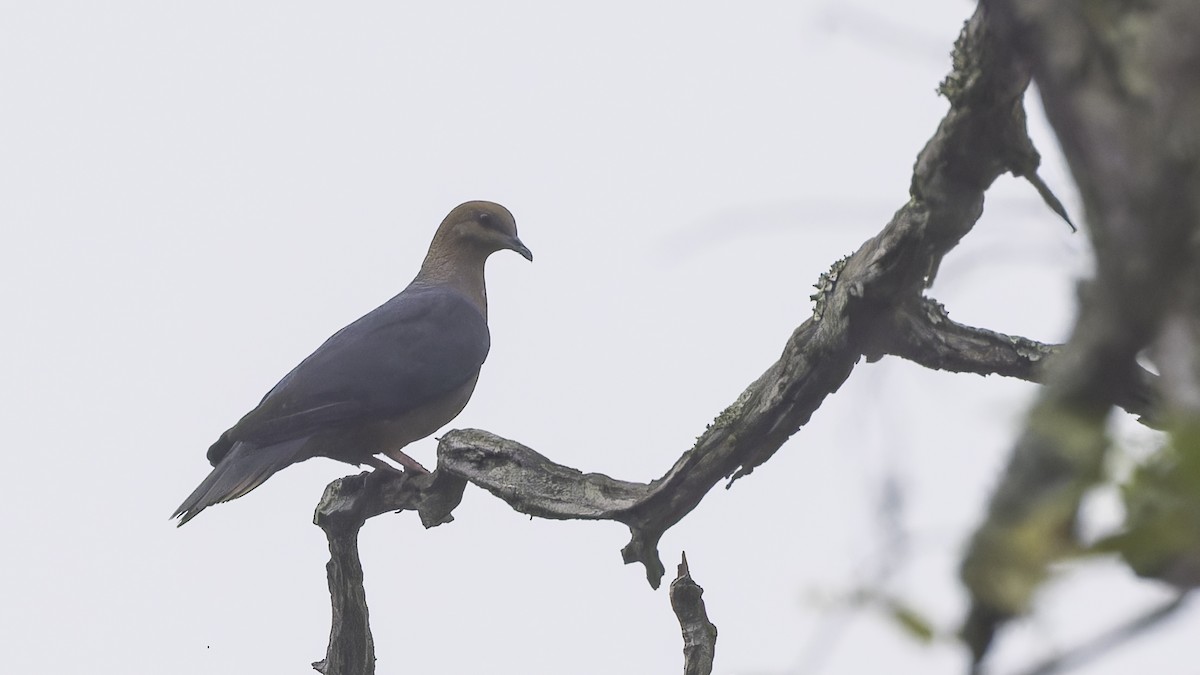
column 461, row 270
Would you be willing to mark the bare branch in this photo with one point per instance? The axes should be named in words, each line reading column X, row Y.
column 347, row 503
column 868, row 304
column 922, row 332
column 699, row 634
column 351, row 648
column 982, row 136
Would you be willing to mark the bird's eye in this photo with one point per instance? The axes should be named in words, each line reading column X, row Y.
column 486, row 220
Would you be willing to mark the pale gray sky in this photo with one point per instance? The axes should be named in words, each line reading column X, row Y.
column 195, row 195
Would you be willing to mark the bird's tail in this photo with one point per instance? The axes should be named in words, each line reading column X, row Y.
column 242, row 469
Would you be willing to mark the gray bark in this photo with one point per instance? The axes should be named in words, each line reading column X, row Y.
column 699, row 634
column 1140, row 188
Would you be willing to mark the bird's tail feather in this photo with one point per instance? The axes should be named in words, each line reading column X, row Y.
column 243, row 468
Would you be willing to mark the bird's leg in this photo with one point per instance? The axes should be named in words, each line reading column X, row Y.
column 405, row 461
column 380, row 465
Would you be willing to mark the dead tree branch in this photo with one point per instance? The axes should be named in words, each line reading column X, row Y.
column 346, row 505
column 982, row 136
column 869, row 304
column 699, row 634
column 922, row 332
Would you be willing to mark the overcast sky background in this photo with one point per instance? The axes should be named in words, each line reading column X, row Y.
column 195, row 195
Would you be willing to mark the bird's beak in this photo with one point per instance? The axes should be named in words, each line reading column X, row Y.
column 516, row 245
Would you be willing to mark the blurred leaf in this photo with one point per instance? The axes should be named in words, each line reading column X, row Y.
column 911, row 621
column 1161, row 539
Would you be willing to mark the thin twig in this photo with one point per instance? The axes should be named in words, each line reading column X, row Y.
column 1110, row 640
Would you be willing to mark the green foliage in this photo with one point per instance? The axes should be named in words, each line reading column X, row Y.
column 1161, row 539
column 913, row 623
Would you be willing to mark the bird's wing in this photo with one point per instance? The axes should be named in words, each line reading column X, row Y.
column 418, row 346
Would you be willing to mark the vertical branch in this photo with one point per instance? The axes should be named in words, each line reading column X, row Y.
column 351, row 649
column 699, row 634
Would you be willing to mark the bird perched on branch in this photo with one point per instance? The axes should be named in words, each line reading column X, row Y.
column 392, row 377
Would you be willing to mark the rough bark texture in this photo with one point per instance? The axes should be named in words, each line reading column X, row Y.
column 347, row 503
column 1140, row 188
column 982, row 136
column 923, row 333
column 699, row 634
column 351, row 648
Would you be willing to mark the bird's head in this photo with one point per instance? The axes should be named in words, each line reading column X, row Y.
column 482, row 227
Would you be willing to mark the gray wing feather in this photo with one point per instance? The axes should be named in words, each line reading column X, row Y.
column 243, row 469
column 421, row 344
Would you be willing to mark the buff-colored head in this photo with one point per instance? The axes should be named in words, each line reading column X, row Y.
column 479, row 229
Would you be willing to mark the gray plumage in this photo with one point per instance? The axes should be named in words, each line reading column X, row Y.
column 394, row 376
